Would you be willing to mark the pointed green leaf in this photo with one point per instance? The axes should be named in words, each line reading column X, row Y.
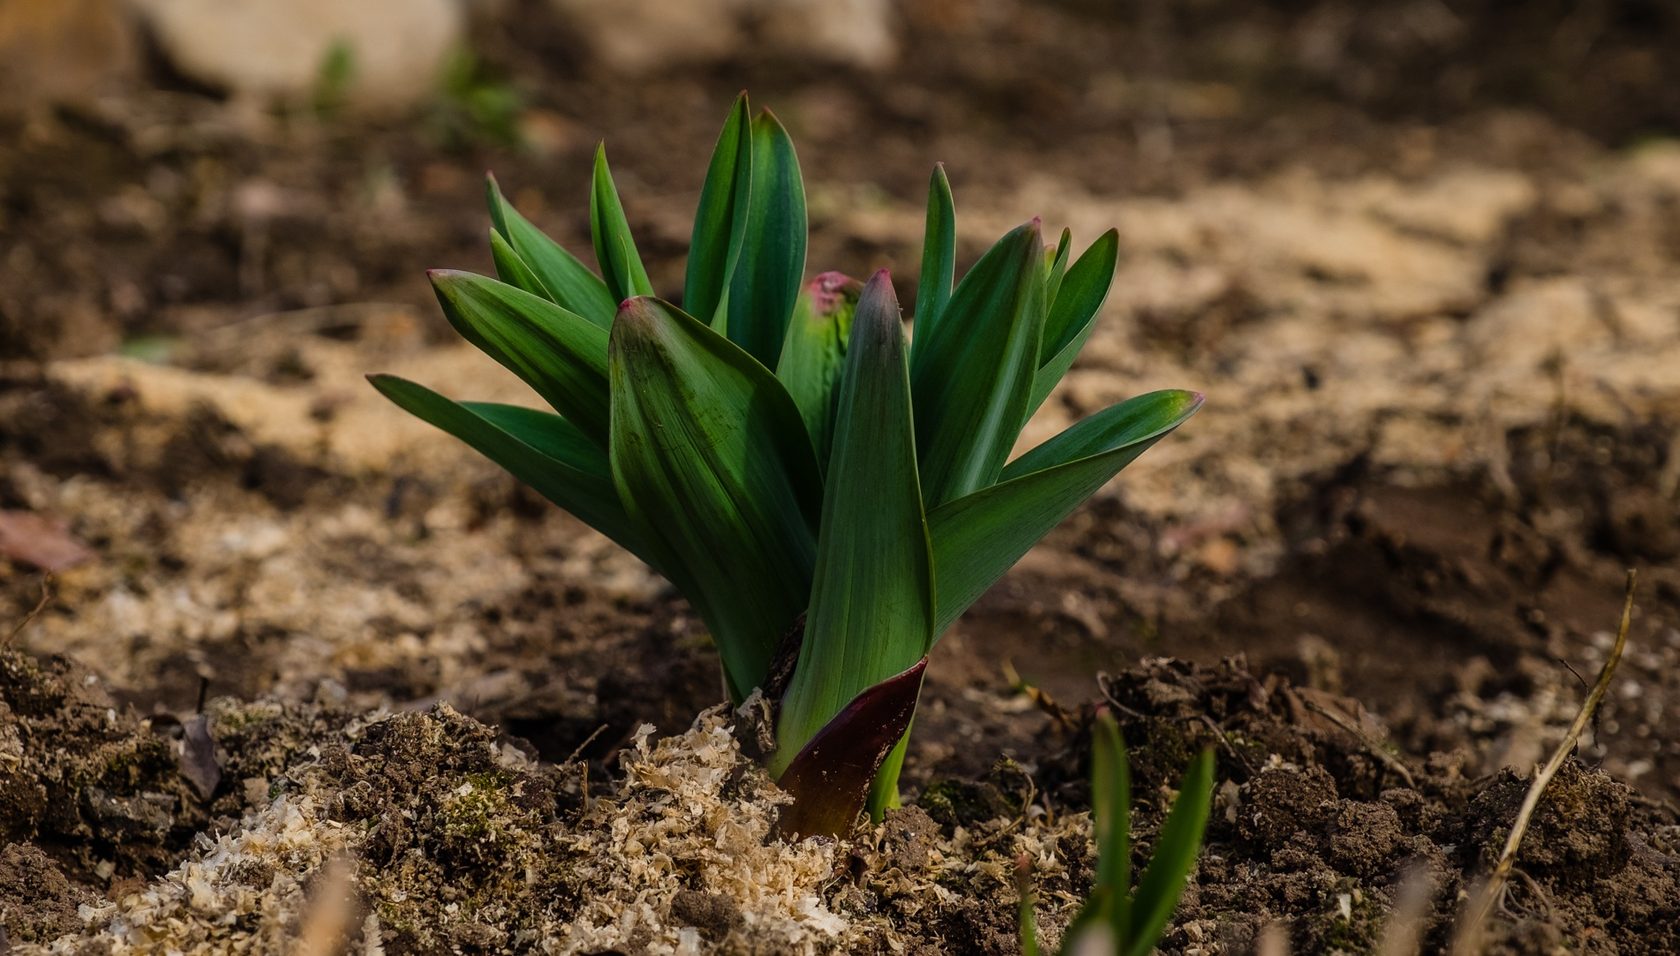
column 615, row 251
column 559, row 353
column 542, row 450
column 815, row 352
column 720, row 221
column 1073, row 313
column 514, row 270
column 871, row 610
column 1175, row 856
column 973, row 378
column 830, row 777
column 1111, row 804
column 1057, row 260
column 711, row 460
column 979, row 537
column 566, row 282
column 766, row 280
column 939, row 259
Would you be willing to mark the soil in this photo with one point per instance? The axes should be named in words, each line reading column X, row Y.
column 294, row 640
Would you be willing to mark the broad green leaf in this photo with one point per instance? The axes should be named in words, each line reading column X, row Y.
column 871, row 609
column 1073, row 313
column 979, row 537
column 814, row 352
column 559, row 353
column 1169, row 868
column 939, row 259
column 766, row 280
column 720, row 221
column 1111, row 803
column 542, row 450
column 973, row 378
column 615, row 251
column 1056, row 260
column 831, row 775
column 565, row 281
column 711, row 460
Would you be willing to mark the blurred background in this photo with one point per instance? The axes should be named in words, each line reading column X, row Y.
column 1424, row 256
column 172, row 165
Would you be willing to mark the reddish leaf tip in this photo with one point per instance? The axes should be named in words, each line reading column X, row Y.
column 637, row 310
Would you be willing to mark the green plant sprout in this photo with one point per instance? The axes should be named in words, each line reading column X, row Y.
column 827, row 498
column 1116, row 919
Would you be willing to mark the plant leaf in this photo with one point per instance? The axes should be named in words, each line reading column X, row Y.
column 566, row 282
column 513, row 270
column 1057, row 260
column 766, row 280
column 939, row 259
column 979, row 537
column 615, row 250
column 814, row 352
column 713, row 465
column 559, row 353
column 1111, row 803
column 720, row 220
column 1175, row 854
column 1073, row 313
column 973, row 377
column 871, row 611
column 831, row 776
column 542, row 450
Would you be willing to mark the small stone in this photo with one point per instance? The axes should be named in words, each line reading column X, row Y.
column 281, row 49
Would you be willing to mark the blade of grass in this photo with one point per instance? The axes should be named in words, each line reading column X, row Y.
column 1111, row 803
column 1174, row 858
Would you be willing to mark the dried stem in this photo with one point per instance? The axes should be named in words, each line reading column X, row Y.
column 35, row 612
column 1469, row 936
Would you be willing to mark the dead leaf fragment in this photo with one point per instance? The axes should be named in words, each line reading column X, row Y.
column 41, row 541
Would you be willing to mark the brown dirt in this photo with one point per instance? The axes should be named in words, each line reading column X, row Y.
column 1436, row 321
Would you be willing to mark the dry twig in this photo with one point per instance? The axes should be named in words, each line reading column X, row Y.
column 35, row 612
column 1468, row 940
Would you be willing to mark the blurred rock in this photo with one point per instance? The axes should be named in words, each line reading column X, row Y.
column 57, row 50
column 286, row 49
column 859, row 33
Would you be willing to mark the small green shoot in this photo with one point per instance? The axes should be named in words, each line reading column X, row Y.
column 829, row 497
column 1119, row 919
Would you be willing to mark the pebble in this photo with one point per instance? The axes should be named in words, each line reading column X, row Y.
column 277, row 49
